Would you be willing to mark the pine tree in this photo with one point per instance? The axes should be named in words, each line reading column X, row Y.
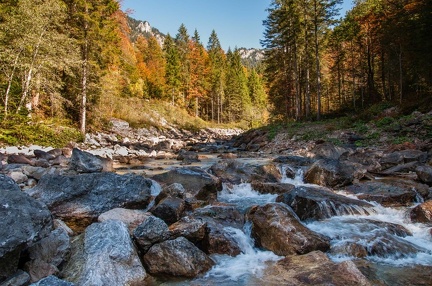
column 173, row 68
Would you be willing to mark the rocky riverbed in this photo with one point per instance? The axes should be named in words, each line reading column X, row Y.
column 214, row 209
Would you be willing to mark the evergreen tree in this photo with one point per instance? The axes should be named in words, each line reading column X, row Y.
column 173, row 68
column 182, row 40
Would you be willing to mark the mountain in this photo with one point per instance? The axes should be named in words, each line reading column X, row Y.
column 144, row 29
column 250, row 57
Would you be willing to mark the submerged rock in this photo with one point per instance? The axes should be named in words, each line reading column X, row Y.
column 314, row 268
column 79, row 200
column 179, row 258
column 275, row 227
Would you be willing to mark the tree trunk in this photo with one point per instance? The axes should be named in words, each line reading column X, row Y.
column 85, row 55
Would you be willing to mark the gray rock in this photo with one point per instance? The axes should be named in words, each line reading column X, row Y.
column 20, row 278
column 385, row 192
column 18, row 177
column 151, row 231
column 47, row 254
column 24, row 221
column 132, row 218
column 84, row 162
column 19, row 159
column 197, row 182
column 40, row 154
column 319, row 203
column 52, row 281
column 327, row 150
column 275, row 227
column 334, row 173
column 110, row 257
column 169, row 209
column 79, row 200
column 189, row 227
column 424, row 174
column 179, row 258
column 175, row 190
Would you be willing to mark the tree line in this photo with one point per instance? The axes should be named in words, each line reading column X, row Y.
column 316, row 64
column 66, row 58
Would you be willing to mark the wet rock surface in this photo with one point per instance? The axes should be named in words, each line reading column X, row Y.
column 276, row 228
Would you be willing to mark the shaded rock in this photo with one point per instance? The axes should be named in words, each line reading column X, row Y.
column 294, row 161
column 132, row 218
column 402, row 168
column 231, row 171
column 18, row 177
column 222, row 214
column 47, row 254
column 272, row 188
column 110, row 257
column 79, row 200
column 333, row 173
column 383, row 274
column 319, row 203
column 52, row 281
column 169, row 209
column 276, row 228
column 327, row 150
column 188, row 156
column 178, row 257
column 404, row 156
column 197, row 182
column 424, row 174
column 20, row 278
column 151, row 231
column 40, row 154
column 84, row 162
column 35, row 172
column 218, row 240
column 422, row 213
column 383, row 193
column 314, row 268
column 18, row 159
column 24, row 221
column 41, row 163
column 269, row 173
column 39, row 269
column 366, row 157
column 175, row 190
column 194, row 229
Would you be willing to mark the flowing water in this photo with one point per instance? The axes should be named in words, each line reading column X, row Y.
column 382, row 236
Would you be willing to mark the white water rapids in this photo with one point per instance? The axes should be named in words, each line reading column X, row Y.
column 369, row 232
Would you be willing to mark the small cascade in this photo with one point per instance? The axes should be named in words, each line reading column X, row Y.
column 329, row 209
column 298, row 179
column 251, row 262
column 244, row 196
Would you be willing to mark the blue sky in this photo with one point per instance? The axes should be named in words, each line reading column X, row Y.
column 236, row 22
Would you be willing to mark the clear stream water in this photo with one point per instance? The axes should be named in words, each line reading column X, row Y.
column 370, row 232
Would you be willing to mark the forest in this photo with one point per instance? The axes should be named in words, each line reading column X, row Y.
column 76, row 62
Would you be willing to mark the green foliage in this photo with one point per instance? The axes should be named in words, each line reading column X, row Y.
column 18, row 130
column 386, row 121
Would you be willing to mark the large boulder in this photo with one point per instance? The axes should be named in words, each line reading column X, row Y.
column 179, row 258
column 422, row 213
column 132, row 218
column 276, row 228
column 78, row 200
column 319, row 203
column 235, row 172
column 424, row 174
column 389, row 193
column 197, row 182
column 47, row 254
column 52, row 281
column 314, row 268
column 151, row 231
column 194, row 229
column 24, row 221
column 327, row 150
column 401, row 157
column 334, row 173
column 84, row 162
column 169, row 209
column 110, row 256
